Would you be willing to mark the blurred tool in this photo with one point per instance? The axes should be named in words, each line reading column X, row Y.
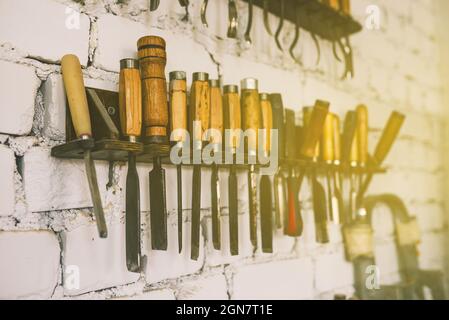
column 154, row 4
column 204, row 13
column 185, row 4
column 340, row 219
column 199, row 113
column 152, row 61
column 296, row 37
column 281, row 25
column 79, row 110
column 178, row 124
column 250, row 22
column 233, row 19
column 130, row 103
column 232, row 121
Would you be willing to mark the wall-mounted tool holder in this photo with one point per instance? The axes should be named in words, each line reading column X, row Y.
column 323, row 167
column 315, row 17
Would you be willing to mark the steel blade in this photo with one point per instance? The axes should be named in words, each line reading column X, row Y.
column 196, row 213
column 252, row 196
column 180, row 217
column 132, row 217
column 158, row 208
column 215, row 190
column 266, row 214
column 233, row 212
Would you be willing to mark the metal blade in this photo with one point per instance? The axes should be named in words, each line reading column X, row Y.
column 252, row 196
column 132, row 217
column 266, row 214
column 154, row 4
column 95, row 194
column 280, row 200
column 233, row 212
column 215, row 190
column 158, row 207
column 196, row 212
column 180, row 217
column 319, row 208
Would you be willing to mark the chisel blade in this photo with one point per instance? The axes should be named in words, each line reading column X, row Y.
column 196, row 212
column 180, row 217
column 252, row 196
column 158, row 207
column 233, row 212
column 95, row 194
column 319, row 209
column 280, row 200
column 132, row 217
column 215, row 190
column 266, row 214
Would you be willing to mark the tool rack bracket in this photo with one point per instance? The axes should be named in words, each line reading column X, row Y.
column 316, row 17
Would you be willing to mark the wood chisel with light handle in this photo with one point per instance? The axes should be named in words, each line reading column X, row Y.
column 232, row 124
column 152, row 60
column 79, row 110
column 336, row 137
column 198, row 123
column 130, row 104
column 252, row 121
column 178, row 128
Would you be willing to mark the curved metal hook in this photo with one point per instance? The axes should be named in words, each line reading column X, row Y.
column 233, row 19
column 296, row 38
column 185, row 4
column 280, row 26
column 250, row 22
column 154, row 4
column 317, row 46
column 334, row 51
column 203, row 13
column 266, row 22
column 347, row 52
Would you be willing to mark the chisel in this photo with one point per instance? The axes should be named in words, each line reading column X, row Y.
column 336, row 137
column 313, row 125
column 293, row 223
column 152, row 61
column 130, row 104
column 178, row 127
column 232, row 123
column 280, row 194
column 362, row 149
column 198, row 123
column 251, row 120
column 79, row 110
column 266, row 206
column 354, row 164
column 216, row 124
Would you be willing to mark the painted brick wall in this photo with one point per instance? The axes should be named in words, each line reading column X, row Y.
column 46, row 228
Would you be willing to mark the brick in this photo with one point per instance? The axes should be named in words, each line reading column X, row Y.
column 45, row 39
column 432, row 251
column 289, row 279
column 101, row 262
column 208, row 288
column 29, row 268
column 18, row 88
column 7, row 194
column 57, row 184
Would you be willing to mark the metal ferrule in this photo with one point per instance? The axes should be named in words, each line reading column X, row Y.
column 214, row 83
column 197, row 145
column 231, row 88
column 129, row 64
column 200, row 76
column 85, row 137
column 264, row 96
column 177, row 75
column 252, row 153
column 249, row 84
column 337, row 162
column 132, row 139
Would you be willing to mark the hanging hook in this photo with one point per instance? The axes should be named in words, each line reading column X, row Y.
column 233, row 19
column 203, row 13
column 250, row 22
column 154, row 4
column 266, row 21
column 317, row 46
column 296, row 38
column 281, row 25
column 185, row 4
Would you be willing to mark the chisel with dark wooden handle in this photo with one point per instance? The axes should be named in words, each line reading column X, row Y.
column 232, row 123
column 178, row 127
column 152, row 60
column 314, row 123
column 79, row 110
column 130, row 105
column 280, row 193
column 216, row 124
column 251, row 120
column 387, row 139
column 266, row 205
column 198, row 123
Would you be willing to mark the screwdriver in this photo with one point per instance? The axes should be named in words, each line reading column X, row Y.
column 178, row 127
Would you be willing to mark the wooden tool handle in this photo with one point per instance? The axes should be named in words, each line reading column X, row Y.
column 354, row 154
column 216, row 112
column 290, row 134
column 307, row 115
column 362, row 134
column 277, row 107
column 315, row 128
column 199, row 104
column 152, row 59
column 267, row 120
column 336, row 137
column 349, row 131
column 389, row 136
column 76, row 95
column 251, row 111
column 327, row 142
column 345, row 6
column 232, row 114
column 178, row 105
column 334, row 4
column 130, row 98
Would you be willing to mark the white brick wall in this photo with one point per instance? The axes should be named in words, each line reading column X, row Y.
column 396, row 67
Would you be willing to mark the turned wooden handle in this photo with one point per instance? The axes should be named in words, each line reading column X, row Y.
column 251, row 113
column 216, row 112
column 152, row 60
column 349, row 132
column 362, row 134
column 290, row 134
column 327, row 142
column 76, row 95
column 345, row 6
column 354, row 154
column 314, row 128
column 130, row 98
column 389, row 135
column 232, row 114
column 336, row 136
column 178, row 105
column 267, row 120
column 278, row 121
column 307, row 115
column 199, row 105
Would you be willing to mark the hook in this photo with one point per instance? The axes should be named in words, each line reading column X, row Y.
column 185, row 4
column 280, row 26
column 347, row 52
column 266, row 21
column 203, row 13
column 296, row 38
column 233, row 19
column 317, row 46
column 154, row 4
column 250, row 22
